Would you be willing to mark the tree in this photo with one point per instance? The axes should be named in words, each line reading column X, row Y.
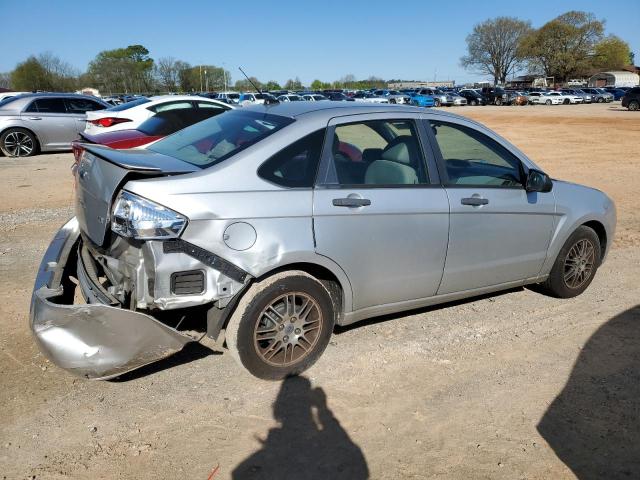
column 244, row 85
column 319, row 85
column 272, row 85
column 5, row 80
column 492, row 47
column 611, row 53
column 167, row 72
column 293, row 84
column 565, row 46
column 123, row 70
column 44, row 72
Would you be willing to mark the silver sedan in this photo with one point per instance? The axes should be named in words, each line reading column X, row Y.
column 43, row 122
column 277, row 223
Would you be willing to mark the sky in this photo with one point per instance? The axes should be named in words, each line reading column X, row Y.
column 411, row 40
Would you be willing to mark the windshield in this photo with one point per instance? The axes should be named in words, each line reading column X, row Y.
column 128, row 105
column 216, row 139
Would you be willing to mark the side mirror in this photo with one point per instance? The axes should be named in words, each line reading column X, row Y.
column 538, row 181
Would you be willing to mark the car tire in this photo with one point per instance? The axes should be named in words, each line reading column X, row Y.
column 580, row 255
column 548, row 102
column 474, row 103
column 498, row 102
column 566, row 101
column 18, row 142
column 436, row 102
column 270, row 305
column 633, row 105
column 600, row 100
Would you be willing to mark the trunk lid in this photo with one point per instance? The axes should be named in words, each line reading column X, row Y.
column 101, row 173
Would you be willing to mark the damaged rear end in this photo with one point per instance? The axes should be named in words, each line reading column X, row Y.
column 124, row 256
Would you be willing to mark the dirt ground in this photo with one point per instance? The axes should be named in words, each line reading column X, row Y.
column 510, row 386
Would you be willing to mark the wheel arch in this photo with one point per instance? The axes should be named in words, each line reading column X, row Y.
column 601, row 231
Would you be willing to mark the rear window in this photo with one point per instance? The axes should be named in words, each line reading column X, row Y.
column 128, row 105
column 170, row 121
column 47, row 105
column 216, row 139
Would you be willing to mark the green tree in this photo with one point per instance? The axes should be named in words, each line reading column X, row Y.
column 123, row 70
column 611, row 53
column 244, row 85
column 272, row 85
column 44, row 72
column 492, row 47
column 565, row 46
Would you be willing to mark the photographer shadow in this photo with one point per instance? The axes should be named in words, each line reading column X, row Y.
column 310, row 443
column 593, row 425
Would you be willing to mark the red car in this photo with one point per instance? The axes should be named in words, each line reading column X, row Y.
column 157, row 127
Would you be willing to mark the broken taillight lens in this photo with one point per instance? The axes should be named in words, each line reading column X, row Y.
column 108, row 121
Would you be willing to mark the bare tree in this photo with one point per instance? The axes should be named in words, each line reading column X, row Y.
column 167, row 72
column 5, row 80
column 492, row 47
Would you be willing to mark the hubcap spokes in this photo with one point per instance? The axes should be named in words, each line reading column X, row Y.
column 18, row 144
column 578, row 265
column 288, row 329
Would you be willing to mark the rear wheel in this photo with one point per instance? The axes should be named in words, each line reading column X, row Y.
column 498, row 101
column 436, row 102
column 600, row 100
column 633, row 105
column 18, row 142
column 281, row 325
column 576, row 264
column 566, row 101
column 548, row 102
column 474, row 102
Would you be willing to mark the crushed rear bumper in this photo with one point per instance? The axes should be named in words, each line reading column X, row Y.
column 93, row 341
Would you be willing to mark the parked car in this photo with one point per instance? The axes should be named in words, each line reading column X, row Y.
column 315, row 97
column 394, row 96
column 231, row 98
column 258, row 98
column 458, row 100
column 496, row 96
column 369, row 98
column 472, row 96
column 43, row 122
column 617, row 93
column 598, row 95
column 5, row 95
column 586, row 97
column 565, row 98
column 440, row 98
column 422, row 99
column 153, row 129
column 131, row 114
column 631, row 99
column 290, row 98
column 257, row 217
column 338, row 97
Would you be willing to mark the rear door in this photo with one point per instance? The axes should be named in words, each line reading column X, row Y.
column 48, row 118
column 499, row 233
column 78, row 108
column 378, row 208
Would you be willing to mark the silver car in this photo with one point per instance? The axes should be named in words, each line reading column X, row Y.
column 268, row 225
column 43, row 122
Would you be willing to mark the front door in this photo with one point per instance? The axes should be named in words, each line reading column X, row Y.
column 499, row 233
column 379, row 211
column 48, row 118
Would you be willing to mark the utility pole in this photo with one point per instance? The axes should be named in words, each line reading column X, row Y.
column 206, row 79
column 200, row 77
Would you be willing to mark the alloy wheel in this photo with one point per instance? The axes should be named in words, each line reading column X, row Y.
column 288, row 329
column 579, row 263
column 18, row 144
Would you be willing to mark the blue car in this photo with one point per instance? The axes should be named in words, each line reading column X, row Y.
column 616, row 92
column 421, row 100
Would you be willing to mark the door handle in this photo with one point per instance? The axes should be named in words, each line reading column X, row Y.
column 474, row 201
column 35, row 118
column 351, row 202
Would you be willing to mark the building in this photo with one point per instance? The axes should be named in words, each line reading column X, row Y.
column 619, row 78
column 89, row 91
column 414, row 84
column 528, row 81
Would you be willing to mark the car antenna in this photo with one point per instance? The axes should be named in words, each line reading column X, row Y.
column 268, row 99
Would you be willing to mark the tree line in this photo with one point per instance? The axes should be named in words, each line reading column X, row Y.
column 573, row 45
column 133, row 70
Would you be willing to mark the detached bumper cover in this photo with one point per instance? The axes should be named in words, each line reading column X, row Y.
column 92, row 341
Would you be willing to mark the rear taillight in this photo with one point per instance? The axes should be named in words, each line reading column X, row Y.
column 108, row 121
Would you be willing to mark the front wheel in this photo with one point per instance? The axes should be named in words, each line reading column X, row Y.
column 548, row 102
column 436, row 102
column 281, row 325
column 498, row 101
column 600, row 100
column 18, row 142
column 474, row 103
column 575, row 265
column 633, row 105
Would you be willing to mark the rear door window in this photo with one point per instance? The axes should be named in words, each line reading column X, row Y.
column 47, row 105
column 163, row 107
column 82, row 105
